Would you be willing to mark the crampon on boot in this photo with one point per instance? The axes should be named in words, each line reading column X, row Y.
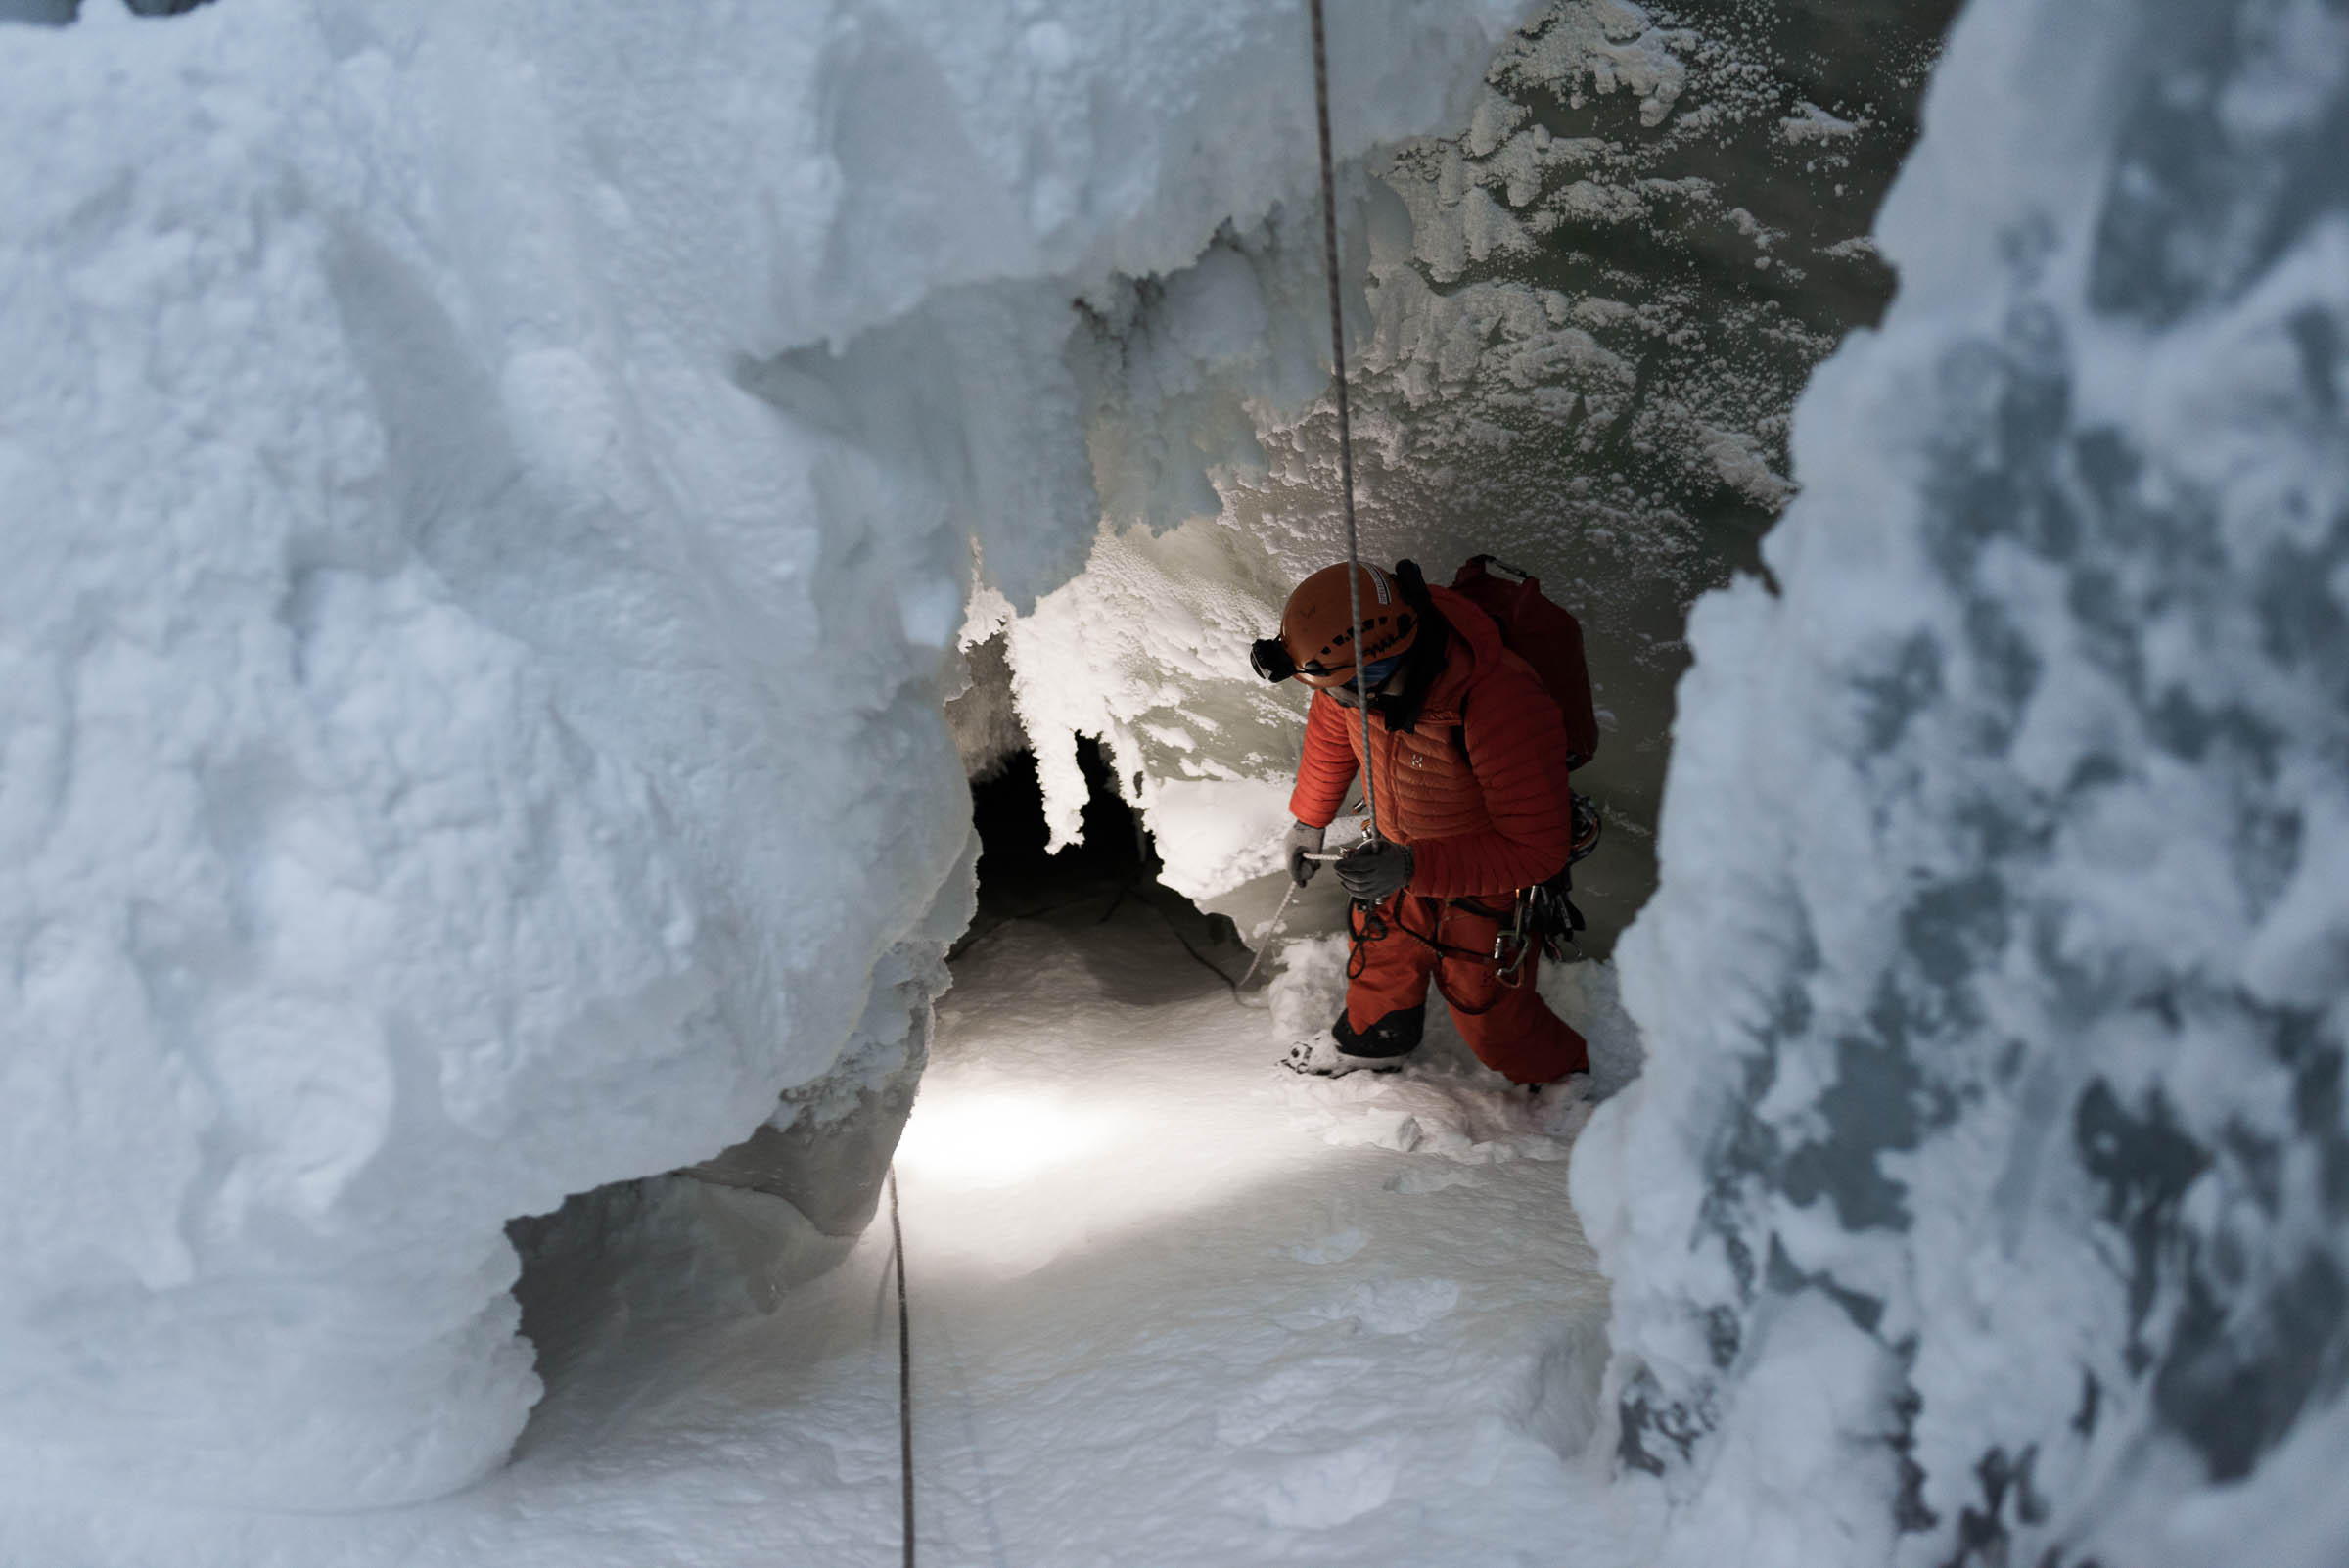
column 1341, row 1049
column 1321, row 1057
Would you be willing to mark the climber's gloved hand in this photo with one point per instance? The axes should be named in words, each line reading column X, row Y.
column 1302, row 842
column 1375, row 870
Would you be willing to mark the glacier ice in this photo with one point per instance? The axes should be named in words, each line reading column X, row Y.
column 1984, row 1198
column 489, row 493
column 1581, row 316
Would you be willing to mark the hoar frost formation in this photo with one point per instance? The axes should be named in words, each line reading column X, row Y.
column 494, row 492
column 1987, row 1196
column 491, row 490
column 1584, row 316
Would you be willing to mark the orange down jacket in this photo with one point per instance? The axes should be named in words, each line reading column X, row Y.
column 1477, row 786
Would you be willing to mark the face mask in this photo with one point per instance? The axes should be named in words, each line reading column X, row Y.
column 1375, row 675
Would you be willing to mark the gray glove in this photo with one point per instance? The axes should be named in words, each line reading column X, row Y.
column 1302, row 842
column 1375, row 870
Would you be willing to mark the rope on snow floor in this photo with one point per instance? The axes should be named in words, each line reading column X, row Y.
column 897, row 1231
column 1197, row 957
column 1271, row 931
column 1337, row 347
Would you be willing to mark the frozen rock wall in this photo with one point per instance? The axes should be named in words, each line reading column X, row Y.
column 1985, row 1199
column 489, row 492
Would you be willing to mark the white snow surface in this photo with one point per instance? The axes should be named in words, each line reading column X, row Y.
column 1274, row 1345
column 489, row 491
column 1158, row 1315
column 1985, row 1198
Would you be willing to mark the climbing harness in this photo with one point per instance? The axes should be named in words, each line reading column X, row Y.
column 1366, row 923
column 1337, row 354
column 897, row 1233
column 1513, row 944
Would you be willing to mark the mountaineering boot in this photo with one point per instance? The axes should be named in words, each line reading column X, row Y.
column 1322, row 1057
column 1342, row 1048
column 1393, row 1037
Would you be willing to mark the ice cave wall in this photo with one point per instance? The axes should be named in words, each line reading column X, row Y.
column 1985, row 1199
column 488, row 490
column 1580, row 319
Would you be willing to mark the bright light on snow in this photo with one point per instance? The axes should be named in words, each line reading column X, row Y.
column 999, row 1140
column 970, row 1162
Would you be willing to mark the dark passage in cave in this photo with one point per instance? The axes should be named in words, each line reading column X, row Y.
column 1113, row 868
column 1014, row 869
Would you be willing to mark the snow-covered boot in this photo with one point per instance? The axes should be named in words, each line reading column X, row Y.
column 1341, row 1048
column 1322, row 1057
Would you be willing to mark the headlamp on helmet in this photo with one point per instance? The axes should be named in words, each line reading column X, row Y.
column 1270, row 657
column 1316, row 644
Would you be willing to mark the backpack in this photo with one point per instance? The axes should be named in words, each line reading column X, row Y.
column 1546, row 636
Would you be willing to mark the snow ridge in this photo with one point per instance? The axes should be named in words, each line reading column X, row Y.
column 1984, row 1198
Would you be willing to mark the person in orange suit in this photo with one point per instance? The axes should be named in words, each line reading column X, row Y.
column 1468, row 760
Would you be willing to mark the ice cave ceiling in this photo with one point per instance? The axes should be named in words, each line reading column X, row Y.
column 1584, row 317
column 499, row 492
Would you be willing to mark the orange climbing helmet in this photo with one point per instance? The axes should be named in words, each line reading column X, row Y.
column 1316, row 627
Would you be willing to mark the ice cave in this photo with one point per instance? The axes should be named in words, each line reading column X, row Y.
column 647, row 915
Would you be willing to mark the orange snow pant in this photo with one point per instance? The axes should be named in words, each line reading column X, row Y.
column 1407, row 940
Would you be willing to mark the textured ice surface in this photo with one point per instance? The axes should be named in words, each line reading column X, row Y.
column 1274, row 1349
column 1580, row 318
column 489, row 493
column 1984, row 1197
column 488, row 490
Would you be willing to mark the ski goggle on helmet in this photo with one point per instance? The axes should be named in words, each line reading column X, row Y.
column 1316, row 630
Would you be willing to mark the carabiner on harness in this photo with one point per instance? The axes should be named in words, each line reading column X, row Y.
column 1516, row 941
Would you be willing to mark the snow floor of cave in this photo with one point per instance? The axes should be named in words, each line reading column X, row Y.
column 1170, row 1305
column 1173, row 1305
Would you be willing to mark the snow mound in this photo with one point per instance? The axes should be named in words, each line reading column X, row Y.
column 490, row 491
column 1982, row 1200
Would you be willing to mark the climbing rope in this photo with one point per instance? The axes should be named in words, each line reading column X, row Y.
column 897, row 1231
column 1336, row 354
column 1197, row 957
column 1266, row 941
column 1353, row 605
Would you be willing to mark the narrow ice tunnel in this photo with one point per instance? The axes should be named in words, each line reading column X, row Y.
column 620, row 618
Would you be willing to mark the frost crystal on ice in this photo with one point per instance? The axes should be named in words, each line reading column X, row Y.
column 1986, row 1198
